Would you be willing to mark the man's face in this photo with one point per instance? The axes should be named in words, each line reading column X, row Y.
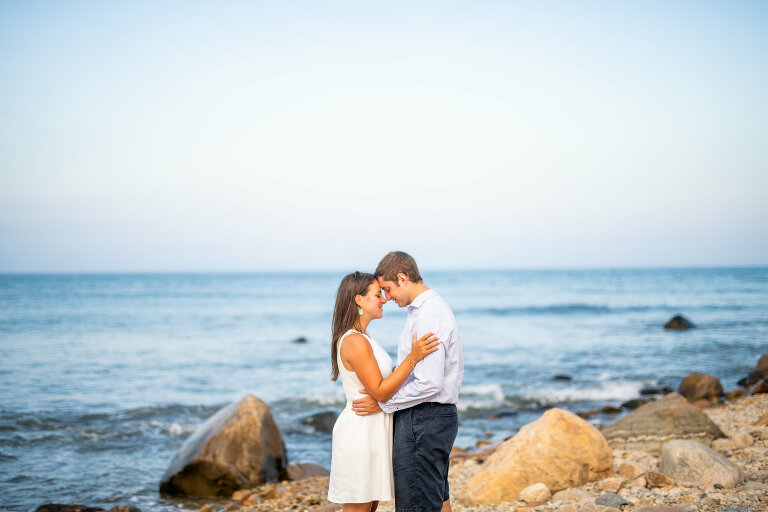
column 393, row 291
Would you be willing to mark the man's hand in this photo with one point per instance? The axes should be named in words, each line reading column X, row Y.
column 365, row 406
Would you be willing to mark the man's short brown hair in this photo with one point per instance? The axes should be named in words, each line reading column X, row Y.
column 398, row 262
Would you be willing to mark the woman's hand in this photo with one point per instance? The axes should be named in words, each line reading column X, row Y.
column 422, row 347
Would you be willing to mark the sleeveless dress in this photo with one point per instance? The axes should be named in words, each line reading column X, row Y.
column 361, row 454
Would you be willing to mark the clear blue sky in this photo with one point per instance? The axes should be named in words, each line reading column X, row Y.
column 319, row 135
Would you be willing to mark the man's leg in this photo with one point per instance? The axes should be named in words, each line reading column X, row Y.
column 424, row 436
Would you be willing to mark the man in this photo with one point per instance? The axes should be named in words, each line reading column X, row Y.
column 425, row 418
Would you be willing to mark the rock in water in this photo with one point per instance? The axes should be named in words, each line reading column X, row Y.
column 698, row 386
column 693, row 464
column 648, row 427
column 679, row 323
column 238, row 447
column 559, row 450
column 322, row 421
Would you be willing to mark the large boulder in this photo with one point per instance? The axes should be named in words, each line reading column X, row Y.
column 648, row 427
column 691, row 463
column 238, row 447
column 700, row 386
column 559, row 450
column 679, row 323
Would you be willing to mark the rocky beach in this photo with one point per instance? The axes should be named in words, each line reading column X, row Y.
column 699, row 452
column 635, row 485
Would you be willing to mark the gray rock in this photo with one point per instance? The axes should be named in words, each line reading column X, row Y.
column 610, row 499
column 691, row 463
column 238, row 447
column 321, row 421
column 651, row 425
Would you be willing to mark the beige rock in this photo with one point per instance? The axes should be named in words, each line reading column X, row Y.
column 559, row 449
column 241, row 495
column 630, row 469
column 572, row 496
column 206, row 508
column 535, row 492
column 648, row 427
column 611, row 484
column 588, row 506
column 252, row 500
column 238, row 447
column 691, row 463
column 701, row 404
column 568, row 507
column 764, row 434
column 742, row 440
column 735, row 393
column 762, row 420
column 723, row 445
column 655, row 479
column 639, row 482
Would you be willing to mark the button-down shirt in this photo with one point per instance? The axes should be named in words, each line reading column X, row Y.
column 437, row 377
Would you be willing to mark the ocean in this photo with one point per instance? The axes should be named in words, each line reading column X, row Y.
column 103, row 376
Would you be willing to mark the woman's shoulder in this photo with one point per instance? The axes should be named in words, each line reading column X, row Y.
column 355, row 340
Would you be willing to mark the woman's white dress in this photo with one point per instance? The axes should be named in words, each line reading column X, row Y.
column 361, row 454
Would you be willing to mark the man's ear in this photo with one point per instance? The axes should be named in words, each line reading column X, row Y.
column 402, row 279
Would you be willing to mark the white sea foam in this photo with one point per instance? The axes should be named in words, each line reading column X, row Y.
column 492, row 390
column 604, row 392
column 481, row 396
column 179, row 430
column 325, row 400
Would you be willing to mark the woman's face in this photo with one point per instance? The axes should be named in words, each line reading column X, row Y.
column 372, row 303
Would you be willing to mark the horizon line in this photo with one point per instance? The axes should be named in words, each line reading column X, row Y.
column 337, row 271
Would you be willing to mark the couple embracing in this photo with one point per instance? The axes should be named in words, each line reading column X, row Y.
column 395, row 435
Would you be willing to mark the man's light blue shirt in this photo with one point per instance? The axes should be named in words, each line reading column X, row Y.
column 437, row 377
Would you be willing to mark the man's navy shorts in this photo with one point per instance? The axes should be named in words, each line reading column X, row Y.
column 424, row 435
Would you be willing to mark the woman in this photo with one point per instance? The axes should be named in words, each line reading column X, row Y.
column 361, row 458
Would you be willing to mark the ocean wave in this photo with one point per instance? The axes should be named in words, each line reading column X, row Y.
column 605, row 392
column 176, row 429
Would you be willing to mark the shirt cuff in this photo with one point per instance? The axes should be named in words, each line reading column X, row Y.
column 387, row 408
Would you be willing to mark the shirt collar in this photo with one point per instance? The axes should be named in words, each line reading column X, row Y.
column 422, row 298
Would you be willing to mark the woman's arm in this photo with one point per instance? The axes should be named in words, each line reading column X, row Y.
column 358, row 354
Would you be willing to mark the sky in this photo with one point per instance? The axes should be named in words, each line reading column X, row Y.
column 239, row 136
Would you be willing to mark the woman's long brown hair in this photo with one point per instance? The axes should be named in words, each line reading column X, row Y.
column 345, row 313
